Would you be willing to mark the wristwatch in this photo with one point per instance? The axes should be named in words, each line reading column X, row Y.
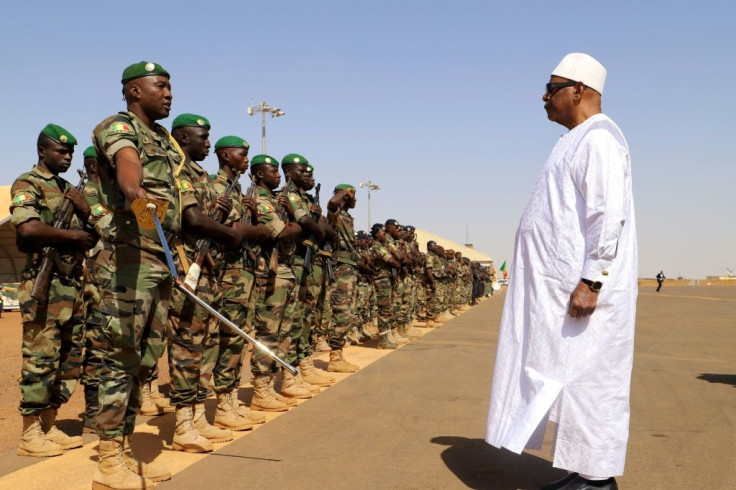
column 594, row 286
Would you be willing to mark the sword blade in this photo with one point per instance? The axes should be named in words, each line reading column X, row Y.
column 172, row 268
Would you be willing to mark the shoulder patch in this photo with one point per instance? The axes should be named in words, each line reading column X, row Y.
column 98, row 209
column 120, row 128
column 22, row 198
column 265, row 208
column 185, row 186
column 293, row 197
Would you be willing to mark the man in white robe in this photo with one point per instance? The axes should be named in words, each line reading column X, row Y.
column 566, row 341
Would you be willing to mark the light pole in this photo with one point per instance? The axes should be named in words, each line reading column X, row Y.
column 264, row 109
column 371, row 187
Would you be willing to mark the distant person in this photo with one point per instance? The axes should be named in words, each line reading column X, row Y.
column 660, row 280
column 566, row 341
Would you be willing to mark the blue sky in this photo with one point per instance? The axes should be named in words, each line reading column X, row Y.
column 439, row 103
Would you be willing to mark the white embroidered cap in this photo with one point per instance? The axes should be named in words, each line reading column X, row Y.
column 581, row 67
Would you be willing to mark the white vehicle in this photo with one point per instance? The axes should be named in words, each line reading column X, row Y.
column 9, row 296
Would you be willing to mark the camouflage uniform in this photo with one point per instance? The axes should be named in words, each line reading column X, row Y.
column 237, row 299
column 132, row 272
column 383, row 285
column 398, row 285
column 193, row 334
column 343, row 295
column 53, row 331
column 277, row 291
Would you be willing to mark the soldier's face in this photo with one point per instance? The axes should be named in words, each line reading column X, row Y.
column 298, row 175
column 238, row 159
column 56, row 157
column 381, row 235
column 198, row 143
column 90, row 165
column 393, row 230
column 269, row 176
column 154, row 96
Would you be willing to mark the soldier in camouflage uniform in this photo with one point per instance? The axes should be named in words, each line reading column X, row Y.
column 434, row 277
column 53, row 327
column 237, row 285
column 94, row 338
column 342, row 299
column 308, row 215
column 385, row 266
column 366, row 273
column 136, row 161
column 395, row 246
column 193, row 334
column 275, row 283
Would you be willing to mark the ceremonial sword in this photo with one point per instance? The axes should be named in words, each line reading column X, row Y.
column 202, row 303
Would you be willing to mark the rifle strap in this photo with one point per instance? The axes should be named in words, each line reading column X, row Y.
column 182, row 257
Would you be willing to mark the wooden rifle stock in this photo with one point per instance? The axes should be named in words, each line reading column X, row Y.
column 62, row 220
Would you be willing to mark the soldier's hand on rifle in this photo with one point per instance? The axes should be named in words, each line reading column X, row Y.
column 83, row 239
column 316, row 209
column 80, row 203
column 250, row 204
column 286, row 204
column 224, row 204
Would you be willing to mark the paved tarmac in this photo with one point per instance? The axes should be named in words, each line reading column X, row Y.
column 415, row 418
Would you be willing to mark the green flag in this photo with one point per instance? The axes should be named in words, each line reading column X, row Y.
column 503, row 266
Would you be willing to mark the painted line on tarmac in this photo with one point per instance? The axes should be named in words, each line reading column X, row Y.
column 707, row 298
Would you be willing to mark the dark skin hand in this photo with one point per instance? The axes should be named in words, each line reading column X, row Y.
column 582, row 301
column 198, row 223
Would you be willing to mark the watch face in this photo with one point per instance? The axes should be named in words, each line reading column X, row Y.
column 596, row 286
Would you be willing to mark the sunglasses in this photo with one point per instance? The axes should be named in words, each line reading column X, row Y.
column 552, row 88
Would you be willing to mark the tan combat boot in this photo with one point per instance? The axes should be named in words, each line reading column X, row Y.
column 284, row 399
column 263, row 396
column 153, row 472
column 431, row 323
column 408, row 332
column 305, row 384
column 321, row 344
column 227, row 416
column 209, row 431
column 396, row 337
column 339, row 365
column 148, row 406
column 112, row 472
column 33, row 441
column 312, row 375
column 252, row 415
column 53, row 434
column 186, row 437
column 385, row 341
column 371, row 329
column 160, row 400
column 291, row 388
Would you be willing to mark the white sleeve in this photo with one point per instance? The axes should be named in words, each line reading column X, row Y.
column 599, row 172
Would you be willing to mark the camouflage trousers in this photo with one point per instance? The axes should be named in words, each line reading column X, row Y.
column 420, row 305
column 384, row 293
column 95, row 347
column 342, row 302
column 434, row 299
column 237, row 305
column 323, row 310
column 303, row 310
column 53, row 342
column 193, row 337
column 136, row 289
column 363, row 303
column 272, row 327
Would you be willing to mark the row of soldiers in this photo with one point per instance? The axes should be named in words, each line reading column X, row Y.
column 129, row 248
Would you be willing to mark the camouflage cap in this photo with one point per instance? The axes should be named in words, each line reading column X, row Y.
column 143, row 69
column 340, row 187
column 294, row 159
column 231, row 142
column 89, row 152
column 186, row 119
column 59, row 134
column 263, row 160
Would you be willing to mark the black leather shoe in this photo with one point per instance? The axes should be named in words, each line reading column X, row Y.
column 557, row 484
column 580, row 483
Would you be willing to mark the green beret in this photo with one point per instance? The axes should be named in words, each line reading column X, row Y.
column 263, row 160
column 310, row 167
column 143, row 69
column 231, row 142
column 294, row 159
column 89, row 152
column 341, row 187
column 183, row 120
column 59, row 134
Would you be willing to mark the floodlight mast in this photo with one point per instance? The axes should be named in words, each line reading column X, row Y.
column 264, row 109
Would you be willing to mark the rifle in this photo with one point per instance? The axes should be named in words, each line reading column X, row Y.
column 283, row 215
column 203, row 244
column 309, row 242
column 249, row 257
column 62, row 220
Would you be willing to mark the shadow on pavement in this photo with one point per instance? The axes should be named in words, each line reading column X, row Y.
column 481, row 466
column 726, row 379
